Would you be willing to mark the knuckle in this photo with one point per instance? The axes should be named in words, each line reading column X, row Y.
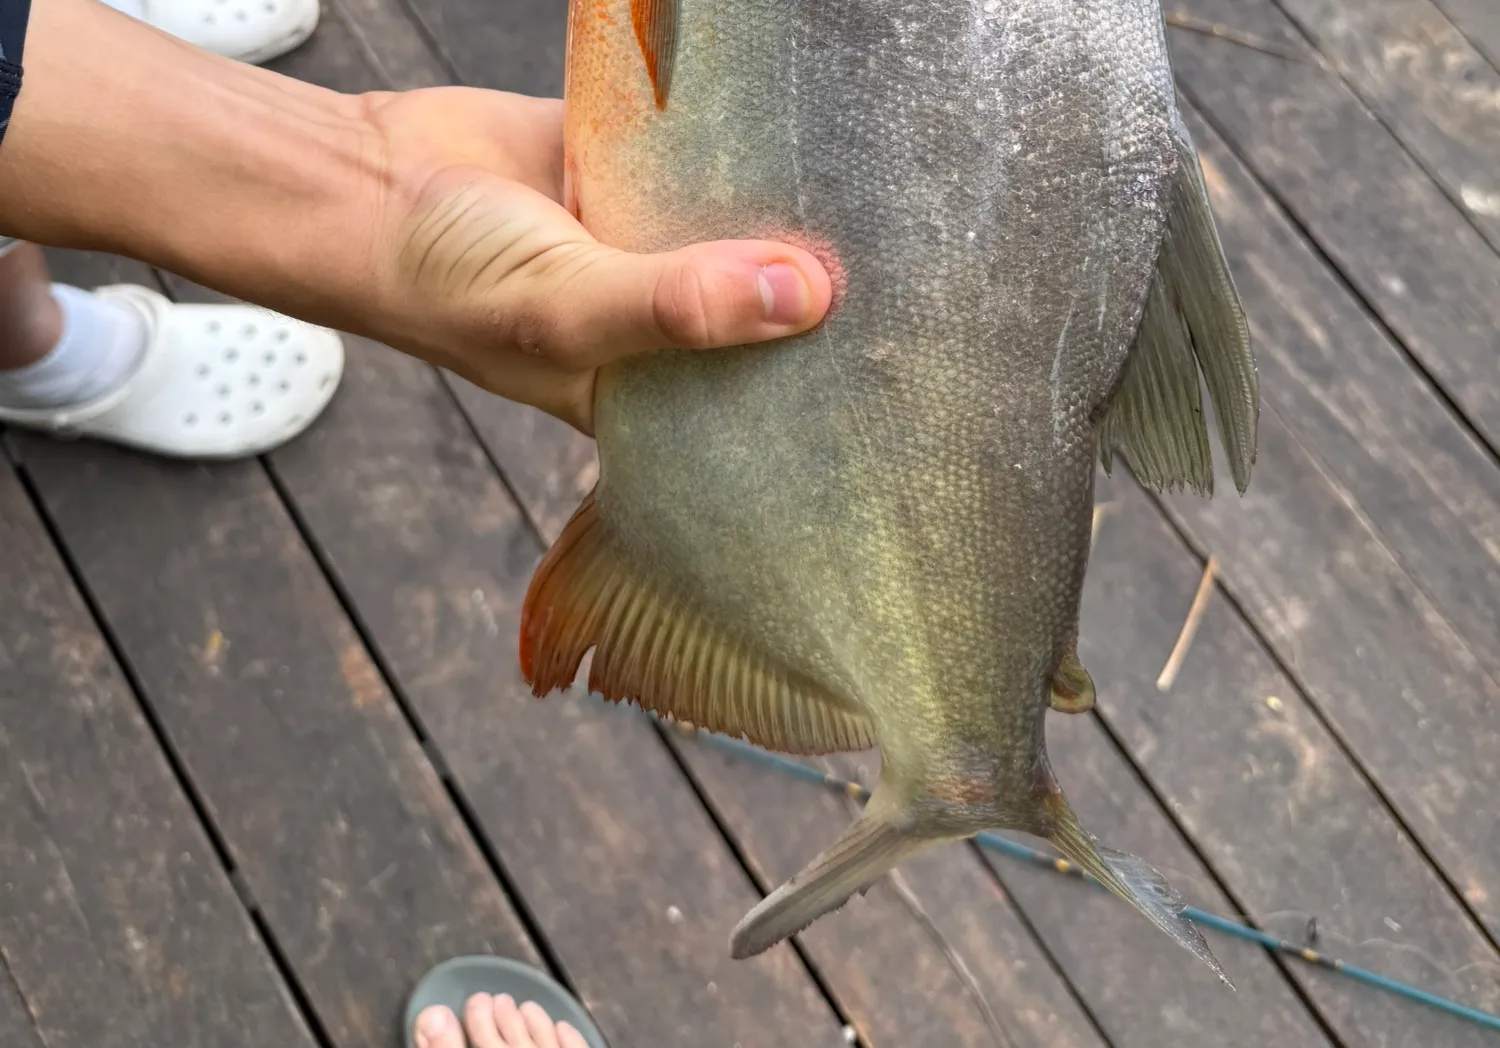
column 683, row 308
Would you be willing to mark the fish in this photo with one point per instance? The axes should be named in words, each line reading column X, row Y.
column 875, row 533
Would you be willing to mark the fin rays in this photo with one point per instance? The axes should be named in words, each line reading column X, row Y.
column 652, row 648
column 1193, row 322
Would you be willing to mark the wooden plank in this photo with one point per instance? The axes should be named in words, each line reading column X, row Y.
column 16, row 1028
column 1370, row 649
column 1368, row 548
column 1479, row 21
column 1130, row 977
column 515, row 46
column 619, row 864
column 1429, row 84
column 1265, row 792
column 1390, row 229
column 358, row 38
column 118, row 924
column 1144, row 989
column 1420, row 478
column 338, row 822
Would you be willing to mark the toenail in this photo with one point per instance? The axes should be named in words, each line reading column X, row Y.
column 435, row 1022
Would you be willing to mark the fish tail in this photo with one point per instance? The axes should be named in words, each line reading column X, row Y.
column 869, row 849
column 1132, row 879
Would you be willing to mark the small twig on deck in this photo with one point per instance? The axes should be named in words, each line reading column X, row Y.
column 1099, row 512
column 1193, row 24
column 1190, row 627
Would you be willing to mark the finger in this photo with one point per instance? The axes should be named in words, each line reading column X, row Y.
column 585, row 304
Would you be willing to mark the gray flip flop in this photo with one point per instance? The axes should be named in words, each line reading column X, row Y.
column 454, row 982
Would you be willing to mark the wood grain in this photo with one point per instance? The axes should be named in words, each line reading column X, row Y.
column 118, row 924
column 1265, row 792
column 1392, row 232
column 1420, row 479
column 336, row 819
column 1479, row 20
column 1430, row 85
column 1368, row 547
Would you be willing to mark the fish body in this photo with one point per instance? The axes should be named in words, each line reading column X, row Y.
column 877, row 532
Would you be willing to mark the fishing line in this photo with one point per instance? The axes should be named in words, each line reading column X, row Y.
column 1012, row 849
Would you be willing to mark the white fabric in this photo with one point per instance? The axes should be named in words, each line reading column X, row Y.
column 6, row 244
column 215, row 382
column 102, row 342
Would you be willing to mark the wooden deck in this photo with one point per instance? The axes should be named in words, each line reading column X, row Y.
column 265, row 755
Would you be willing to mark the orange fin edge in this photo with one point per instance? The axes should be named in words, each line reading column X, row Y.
column 654, row 650
column 656, row 31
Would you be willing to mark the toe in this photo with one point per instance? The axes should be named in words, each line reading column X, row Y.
column 437, row 1027
column 512, row 1023
column 479, row 1021
column 539, row 1023
column 569, row 1037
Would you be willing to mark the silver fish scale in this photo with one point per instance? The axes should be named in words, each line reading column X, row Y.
column 898, row 504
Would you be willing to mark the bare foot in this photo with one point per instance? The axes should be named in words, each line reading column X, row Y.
column 494, row 1022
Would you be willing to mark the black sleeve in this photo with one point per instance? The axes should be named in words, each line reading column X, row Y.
column 13, row 17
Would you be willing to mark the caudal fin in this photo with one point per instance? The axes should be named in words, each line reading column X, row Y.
column 1133, row 880
column 869, row 848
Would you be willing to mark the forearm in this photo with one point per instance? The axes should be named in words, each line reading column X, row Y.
column 124, row 139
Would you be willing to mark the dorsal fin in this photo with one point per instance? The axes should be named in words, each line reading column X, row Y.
column 1193, row 322
column 652, row 648
column 656, row 31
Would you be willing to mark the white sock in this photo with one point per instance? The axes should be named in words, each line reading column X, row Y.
column 101, row 343
column 134, row 8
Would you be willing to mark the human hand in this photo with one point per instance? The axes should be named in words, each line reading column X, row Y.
column 487, row 274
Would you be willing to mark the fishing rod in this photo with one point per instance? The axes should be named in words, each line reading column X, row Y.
column 1015, row 850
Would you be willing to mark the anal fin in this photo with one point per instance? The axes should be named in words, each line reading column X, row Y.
column 1193, row 322
column 654, row 649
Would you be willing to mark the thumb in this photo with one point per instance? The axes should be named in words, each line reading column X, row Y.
column 604, row 303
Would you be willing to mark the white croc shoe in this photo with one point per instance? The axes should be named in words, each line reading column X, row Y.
column 215, row 382
column 251, row 31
